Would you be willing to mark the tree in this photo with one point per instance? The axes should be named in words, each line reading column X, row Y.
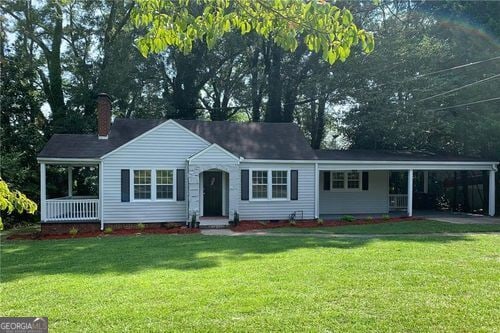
column 324, row 28
column 14, row 201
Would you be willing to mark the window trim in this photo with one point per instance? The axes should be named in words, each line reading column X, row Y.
column 346, row 180
column 174, row 184
column 132, row 184
column 153, row 184
column 269, row 184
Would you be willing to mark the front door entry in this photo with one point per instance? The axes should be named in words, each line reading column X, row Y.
column 212, row 193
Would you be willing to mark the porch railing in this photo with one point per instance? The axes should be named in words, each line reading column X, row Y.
column 398, row 201
column 72, row 209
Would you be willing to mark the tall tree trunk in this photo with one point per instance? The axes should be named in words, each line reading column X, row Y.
column 56, row 100
column 318, row 132
column 274, row 86
column 255, row 85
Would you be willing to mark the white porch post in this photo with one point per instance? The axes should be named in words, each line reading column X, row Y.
column 491, row 208
column 70, row 181
column 410, row 193
column 100, row 212
column 426, row 182
column 43, row 193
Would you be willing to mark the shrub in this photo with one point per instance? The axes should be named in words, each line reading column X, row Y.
column 370, row 218
column 73, row 231
column 348, row 218
column 108, row 230
column 386, row 217
column 320, row 221
column 141, row 226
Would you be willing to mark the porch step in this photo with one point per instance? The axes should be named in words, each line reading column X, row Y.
column 214, row 226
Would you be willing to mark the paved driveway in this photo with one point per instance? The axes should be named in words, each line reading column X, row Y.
column 459, row 218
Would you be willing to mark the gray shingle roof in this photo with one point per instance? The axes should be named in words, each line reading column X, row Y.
column 277, row 141
column 249, row 140
column 387, row 155
column 89, row 145
column 280, row 141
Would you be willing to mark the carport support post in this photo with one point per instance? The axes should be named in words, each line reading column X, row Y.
column 410, row 193
column 43, row 193
column 491, row 201
column 70, row 181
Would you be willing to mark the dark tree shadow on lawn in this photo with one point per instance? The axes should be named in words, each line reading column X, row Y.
column 124, row 255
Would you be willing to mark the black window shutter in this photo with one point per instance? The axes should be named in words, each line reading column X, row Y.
column 181, row 184
column 294, row 179
column 365, row 181
column 326, row 180
column 125, row 185
column 244, row 184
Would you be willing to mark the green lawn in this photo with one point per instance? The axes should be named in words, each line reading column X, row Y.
column 251, row 283
column 407, row 227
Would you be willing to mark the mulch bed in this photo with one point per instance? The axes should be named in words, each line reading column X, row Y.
column 257, row 225
column 118, row 232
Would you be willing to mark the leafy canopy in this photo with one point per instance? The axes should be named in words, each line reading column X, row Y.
column 324, row 28
column 14, row 200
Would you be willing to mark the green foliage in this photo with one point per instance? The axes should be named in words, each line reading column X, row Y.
column 108, row 230
column 386, row 217
column 320, row 221
column 325, row 28
column 141, row 226
column 11, row 201
column 348, row 218
column 73, row 231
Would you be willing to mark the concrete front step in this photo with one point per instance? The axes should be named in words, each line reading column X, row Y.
column 214, row 226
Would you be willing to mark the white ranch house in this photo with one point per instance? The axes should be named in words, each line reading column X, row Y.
column 165, row 171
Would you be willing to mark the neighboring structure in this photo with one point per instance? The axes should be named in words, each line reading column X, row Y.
column 167, row 171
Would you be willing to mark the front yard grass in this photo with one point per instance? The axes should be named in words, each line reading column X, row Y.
column 153, row 283
column 406, row 227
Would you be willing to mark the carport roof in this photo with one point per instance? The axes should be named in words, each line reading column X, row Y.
column 387, row 155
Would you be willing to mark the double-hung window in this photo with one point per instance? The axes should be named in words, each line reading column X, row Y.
column 354, row 180
column 142, row 184
column 164, row 184
column 345, row 180
column 269, row 184
column 279, row 184
column 338, row 180
column 259, row 184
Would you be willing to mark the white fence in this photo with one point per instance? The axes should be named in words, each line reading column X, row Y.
column 72, row 209
column 398, row 201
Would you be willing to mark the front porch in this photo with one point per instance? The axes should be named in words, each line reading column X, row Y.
column 70, row 191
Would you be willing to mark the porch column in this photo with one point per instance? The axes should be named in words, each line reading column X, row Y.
column 426, row 182
column 491, row 208
column 43, row 193
column 70, row 181
column 410, row 193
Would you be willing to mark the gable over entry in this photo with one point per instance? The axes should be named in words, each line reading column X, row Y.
column 223, row 169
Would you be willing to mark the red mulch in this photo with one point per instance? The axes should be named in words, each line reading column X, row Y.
column 118, row 232
column 255, row 225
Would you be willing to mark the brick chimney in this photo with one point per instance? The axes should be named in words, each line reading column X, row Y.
column 103, row 115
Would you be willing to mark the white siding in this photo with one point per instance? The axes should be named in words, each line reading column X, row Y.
column 373, row 201
column 280, row 210
column 168, row 147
